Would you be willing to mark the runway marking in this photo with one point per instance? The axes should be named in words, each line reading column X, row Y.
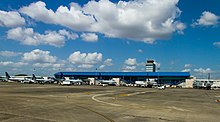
column 113, row 104
column 98, row 95
column 123, row 95
column 177, row 108
column 136, row 93
column 40, row 87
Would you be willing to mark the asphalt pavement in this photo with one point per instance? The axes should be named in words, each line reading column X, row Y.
column 50, row 102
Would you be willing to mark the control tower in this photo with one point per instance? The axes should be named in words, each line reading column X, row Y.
column 150, row 66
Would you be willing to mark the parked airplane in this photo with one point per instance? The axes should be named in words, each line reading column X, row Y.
column 72, row 80
column 206, row 84
column 202, row 84
column 17, row 79
column 148, row 83
column 65, row 82
column 76, row 81
column 151, row 83
column 68, row 81
column 161, row 87
column 141, row 83
column 27, row 80
column 108, row 82
column 41, row 80
column 215, row 85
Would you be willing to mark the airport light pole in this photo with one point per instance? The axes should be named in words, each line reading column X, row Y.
column 158, row 75
column 96, row 73
column 209, row 76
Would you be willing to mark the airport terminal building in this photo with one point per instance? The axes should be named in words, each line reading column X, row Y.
column 168, row 78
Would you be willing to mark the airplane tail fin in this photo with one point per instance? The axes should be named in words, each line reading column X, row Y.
column 7, row 75
column 34, row 77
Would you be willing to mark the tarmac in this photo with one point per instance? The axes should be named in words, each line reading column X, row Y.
column 55, row 103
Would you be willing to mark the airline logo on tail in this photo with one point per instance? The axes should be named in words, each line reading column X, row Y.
column 34, row 77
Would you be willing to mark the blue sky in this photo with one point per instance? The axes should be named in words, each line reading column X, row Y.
column 44, row 37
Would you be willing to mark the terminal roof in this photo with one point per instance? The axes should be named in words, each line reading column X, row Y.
column 119, row 74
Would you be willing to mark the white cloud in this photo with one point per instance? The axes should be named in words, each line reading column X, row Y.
column 42, row 65
column 6, row 63
column 207, row 19
column 186, row 70
column 107, row 62
column 11, row 19
column 68, row 34
column 180, row 27
column 140, row 50
column 188, row 65
column 86, row 66
column 39, row 56
column 46, row 65
column 131, row 61
column 142, row 64
column 102, row 66
column 9, row 53
column 53, row 38
column 27, row 36
column 72, row 17
column 13, row 64
column 216, row 44
column 144, row 21
column 89, row 37
column 130, row 65
column 59, row 65
column 128, row 68
column 70, row 69
column 203, row 71
column 85, row 60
